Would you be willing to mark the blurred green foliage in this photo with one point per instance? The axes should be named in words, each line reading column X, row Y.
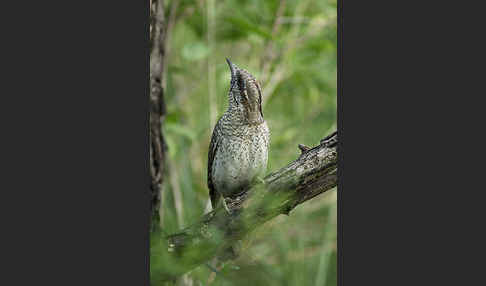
column 299, row 106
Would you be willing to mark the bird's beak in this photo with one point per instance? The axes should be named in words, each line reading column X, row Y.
column 232, row 68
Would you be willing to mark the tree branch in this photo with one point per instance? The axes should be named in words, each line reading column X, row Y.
column 157, row 104
column 314, row 172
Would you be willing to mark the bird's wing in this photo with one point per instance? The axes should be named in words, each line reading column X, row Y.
column 213, row 147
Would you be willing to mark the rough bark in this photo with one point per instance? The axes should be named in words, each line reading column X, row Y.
column 157, row 105
column 314, row 172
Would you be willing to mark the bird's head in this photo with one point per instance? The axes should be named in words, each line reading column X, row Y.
column 245, row 94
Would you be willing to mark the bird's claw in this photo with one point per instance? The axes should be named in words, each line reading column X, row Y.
column 260, row 180
column 226, row 206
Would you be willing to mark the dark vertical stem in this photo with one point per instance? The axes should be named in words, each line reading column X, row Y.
column 157, row 105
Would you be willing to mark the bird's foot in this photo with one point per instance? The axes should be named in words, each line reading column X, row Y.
column 257, row 181
column 226, row 207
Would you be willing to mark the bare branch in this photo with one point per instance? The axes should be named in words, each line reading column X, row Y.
column 157, row 104
column 270, row 55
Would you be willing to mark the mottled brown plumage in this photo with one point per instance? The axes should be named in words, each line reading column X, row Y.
column 238, row 151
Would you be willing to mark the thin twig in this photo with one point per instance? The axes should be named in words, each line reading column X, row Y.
column 269, row 54
column 280, row 71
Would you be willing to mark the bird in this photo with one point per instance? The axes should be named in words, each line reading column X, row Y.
column 238, row 150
